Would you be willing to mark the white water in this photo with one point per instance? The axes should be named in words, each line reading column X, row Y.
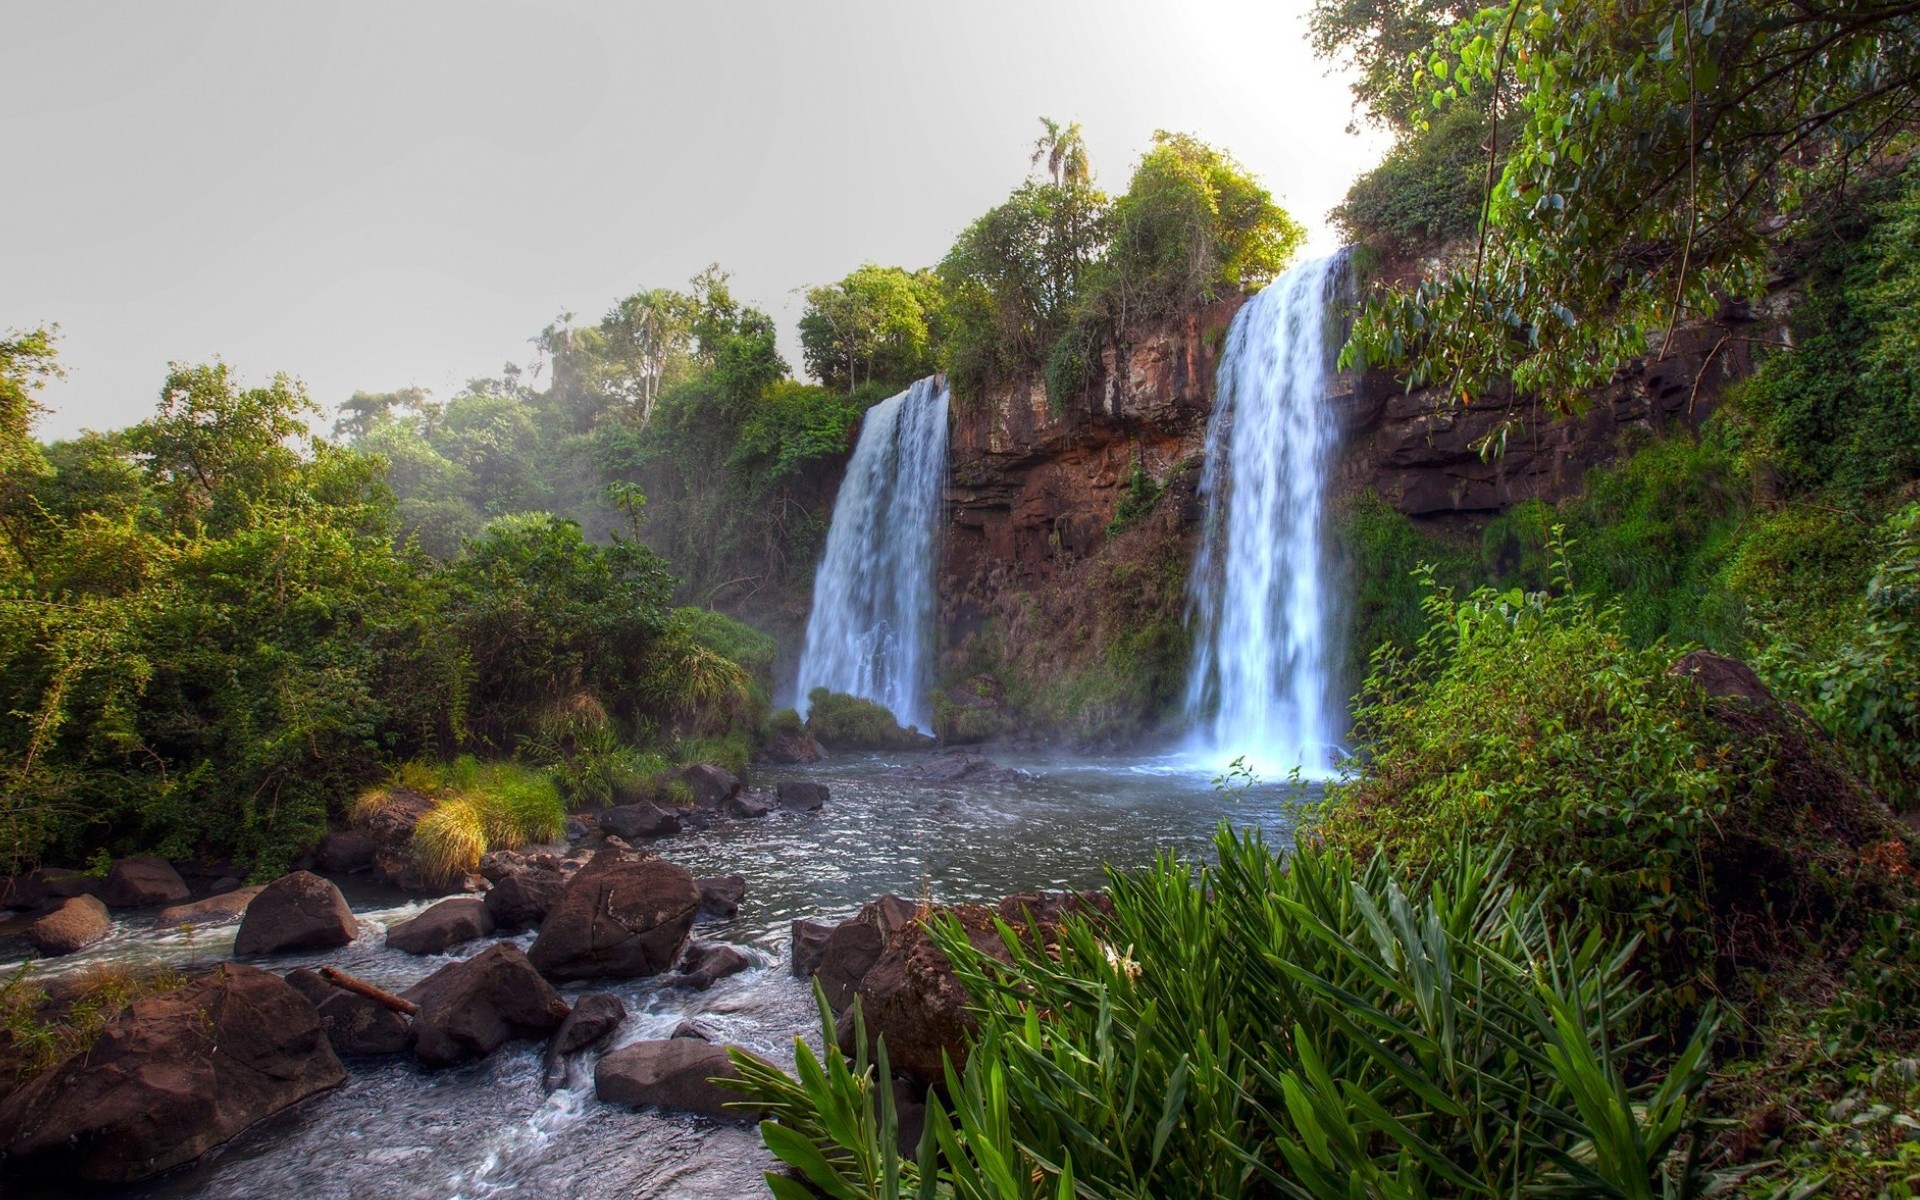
column 1262, row 683
column 871, row 630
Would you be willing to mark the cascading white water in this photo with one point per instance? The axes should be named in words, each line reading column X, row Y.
column 871, row 630
column 1261, row 685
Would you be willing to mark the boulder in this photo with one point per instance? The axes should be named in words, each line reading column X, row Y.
column 390, row 827
column 748, row 805
column 78, row 923
column 687, row 1029
column 705, row 964
column 356, row 1027
column 711, row 786
column 171, row 1077
column 801, row 796
column 912, row 998
column 809, row 946
column 621, row 917
column 850, row 952
column 470, row 1009
column 673, row 1073
column 143, row 881
column 594, row 1017
column 720, row 895
column 48, row 886
column 446, row 924
column 214, row 910
column 791, row 748
column 636, row 822
column 346, row 852
column 300, row 911
column 521, row 901
column 952, row 766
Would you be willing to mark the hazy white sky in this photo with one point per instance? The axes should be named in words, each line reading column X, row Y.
column 374, row 195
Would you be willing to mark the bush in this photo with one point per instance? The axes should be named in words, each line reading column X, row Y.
column 478, row 806
column 1718, row 834
column 1427, row 191
column 842, row 722
column 1301, row 1029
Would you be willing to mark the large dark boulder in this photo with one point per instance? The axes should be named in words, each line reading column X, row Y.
column 173, row 1076
column 801, row 795
column 640, row 821
column 621, row 917
column 912, row 998
column 809, row 945
column 356, row 1027
column 446, row 924
column 853, row 947
column 143, row 881
column 791, row 748
column 470, row 1009
column 521, row 901
column 592, row 1021
column 720, row 895
column 748, row 806
column 48, row 886
column 75, row 925
column 670, row 1072
column 711, row 786
column 346, row 852
column 214, row 910
column 390, row 827
column 300, row 911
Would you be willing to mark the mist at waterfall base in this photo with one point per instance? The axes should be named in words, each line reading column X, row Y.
column 1262, row 684
column 870, row 631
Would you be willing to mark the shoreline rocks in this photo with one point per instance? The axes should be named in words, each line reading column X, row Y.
column 79, row 922
column 471, row 1008
column 214, row 910
column 143, row 881
column 672, row 1073
column 298, row 911
column 442, row 926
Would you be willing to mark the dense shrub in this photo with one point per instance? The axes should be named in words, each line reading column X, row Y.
column 1427, row 191
column 478, row 806
column 1299, row 1028
column 842, row 722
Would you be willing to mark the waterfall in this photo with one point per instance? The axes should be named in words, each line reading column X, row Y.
column 871, row 630
column 1258, row 600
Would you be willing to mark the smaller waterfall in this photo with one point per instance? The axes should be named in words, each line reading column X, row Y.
column 870, row 632
column 1262, row 679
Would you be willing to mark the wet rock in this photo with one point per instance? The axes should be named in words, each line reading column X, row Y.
column 224, row 884
column 79, row 922
column 850, row 952
column 596, row 1016
column 705, row 964
column 214, row 910
column 391, row 829
column 143, row 881
column 356, row 1027
column 346, row 852
column 687, row 1029
column 749, row 805
column 809, row 946
column 712, row 786
column 470, row 1009
column 953, row 766
column 670, row 1072
column 620, row 917
column 172, row 1077
column 802, row 796
column 446, row 924
column 631, row 822
column 912, row 998
column 792, row 748
column 720, row 895
column 300, row 911
column 521, row 901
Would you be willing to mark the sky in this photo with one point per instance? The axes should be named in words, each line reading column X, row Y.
column 383, row 195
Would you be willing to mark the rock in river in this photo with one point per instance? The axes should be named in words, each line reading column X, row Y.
column 300, row 911
column 446, row 924
column 214, row 910
column 76, row 924
column 720, row 895
column 470, row 1009
column 173, row 1076
column 142, row 881
column 673, row 1073
column 621, row 917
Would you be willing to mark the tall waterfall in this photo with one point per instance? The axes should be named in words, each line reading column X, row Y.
column 871, row 630
column 1262, row 678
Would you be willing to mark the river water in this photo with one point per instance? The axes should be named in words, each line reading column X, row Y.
column 488, row 1129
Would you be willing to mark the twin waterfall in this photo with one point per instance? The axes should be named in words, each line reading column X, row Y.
column 1263, row 682
column 870, row 632
column 1262, row 685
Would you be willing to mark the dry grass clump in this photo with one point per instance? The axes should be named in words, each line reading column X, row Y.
column 478, row 806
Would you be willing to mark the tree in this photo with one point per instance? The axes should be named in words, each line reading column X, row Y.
column 875, row 324
column 1064, row 150
column 27, row 361
column 360, row 412
column 1377, row 39
column 648, row 344
column 1654, row 150
column 213, row 448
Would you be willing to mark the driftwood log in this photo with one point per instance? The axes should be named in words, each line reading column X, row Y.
column 360, row 987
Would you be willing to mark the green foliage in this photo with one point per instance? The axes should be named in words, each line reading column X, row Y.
column 1426, row 192
column 1868, row 690
column 478, row 806
column 1531, row 718
column 36, row 1032
column 1651, row 146
column 878, row 325
column 1142, row 493
column 1259, row 1028
column 1378, row 39
column 842, row 722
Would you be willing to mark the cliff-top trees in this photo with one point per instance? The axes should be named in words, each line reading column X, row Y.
column 877, row 325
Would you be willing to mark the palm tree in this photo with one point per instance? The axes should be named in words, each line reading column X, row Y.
column 1065, row 152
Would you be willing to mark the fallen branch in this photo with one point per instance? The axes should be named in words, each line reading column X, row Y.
column 360, row 987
